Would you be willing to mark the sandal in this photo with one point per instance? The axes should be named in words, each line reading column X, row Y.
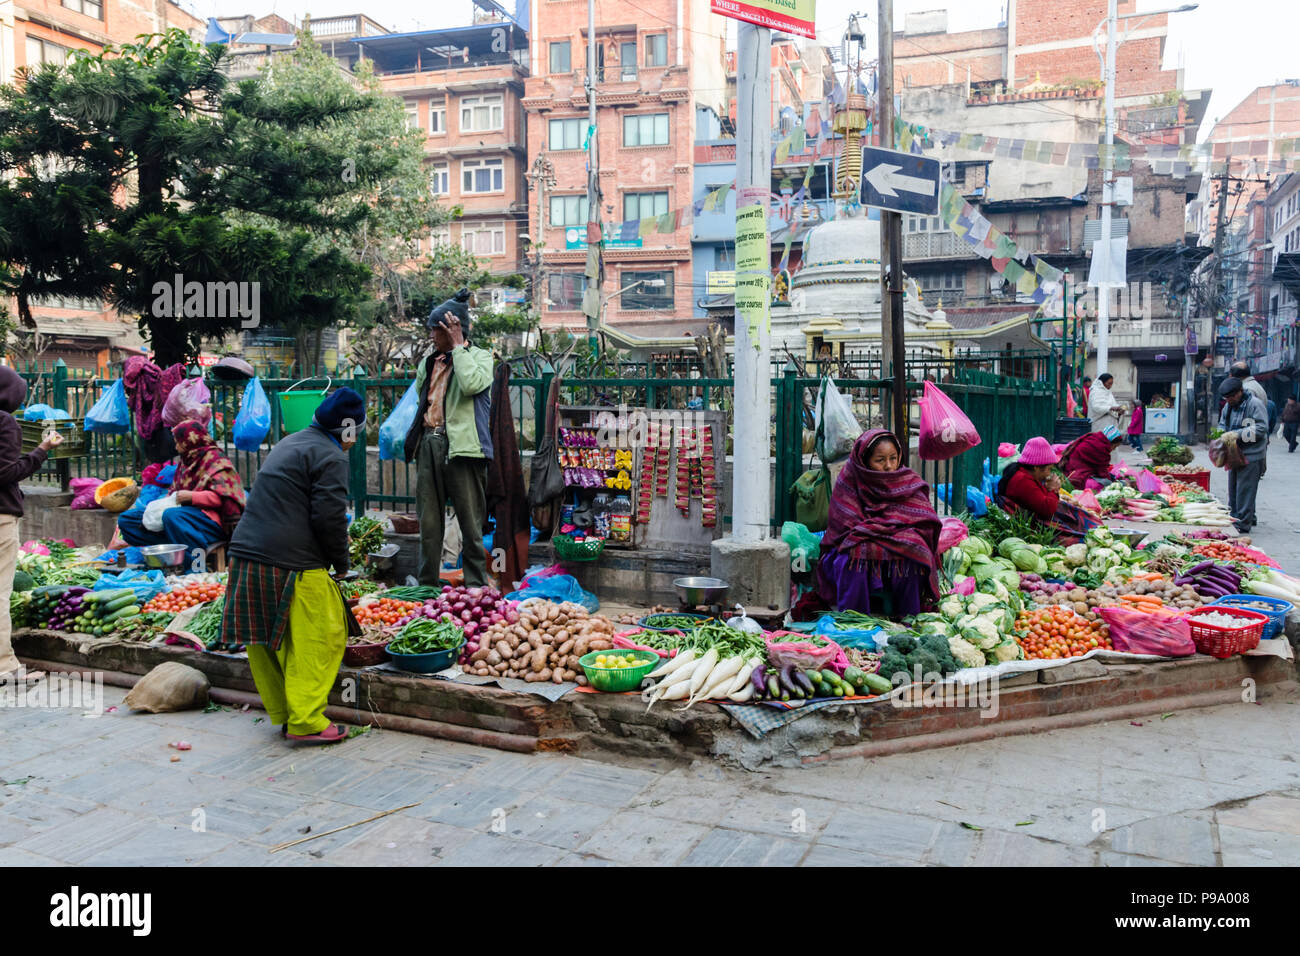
column 330, row 735
column 22, row 674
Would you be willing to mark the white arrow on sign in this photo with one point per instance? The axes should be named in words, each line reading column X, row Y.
column 885, row 179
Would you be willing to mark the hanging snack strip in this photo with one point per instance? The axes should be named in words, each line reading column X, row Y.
column 645, row 490
column 708, row 476
column 662, row 452
column 684, row 452
column 696, row 489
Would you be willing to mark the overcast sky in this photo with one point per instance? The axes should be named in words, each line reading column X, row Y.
column 1230, row 46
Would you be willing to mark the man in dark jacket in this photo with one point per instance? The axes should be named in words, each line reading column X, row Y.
column 1290, row 423
column 280, row 600
column 1247, row 417
column 451, row 440
column 14, row 467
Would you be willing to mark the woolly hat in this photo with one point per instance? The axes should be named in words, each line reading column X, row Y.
column 1111, row 433
column 457, row 307
column 342, row 407
column 1038, row 451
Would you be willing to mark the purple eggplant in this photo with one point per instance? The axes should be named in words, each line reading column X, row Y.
column 759, row 679
column 1199, row 568
column 787, row 681
column 804, row 682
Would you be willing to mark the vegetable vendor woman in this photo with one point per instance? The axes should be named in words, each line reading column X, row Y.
column 883, row 533
column 280, row 600
column 1031, row 484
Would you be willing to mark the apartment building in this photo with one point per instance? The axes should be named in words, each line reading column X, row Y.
column 657, row 63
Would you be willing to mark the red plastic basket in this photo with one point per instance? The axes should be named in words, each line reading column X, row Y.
column 1201, row 478
column 1219, row 641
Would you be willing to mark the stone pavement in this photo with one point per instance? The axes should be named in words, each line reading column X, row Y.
column 1217, row 786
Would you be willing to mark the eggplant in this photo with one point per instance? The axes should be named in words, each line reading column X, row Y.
column 1200, row 567
column 758, row 679
column 787, row 681
column 804, row 682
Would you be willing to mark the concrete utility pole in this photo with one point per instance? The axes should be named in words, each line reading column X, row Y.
column 1219, row 228
column 593, row 176
column 893, row 354
column 1107, row 194
column 755, row 565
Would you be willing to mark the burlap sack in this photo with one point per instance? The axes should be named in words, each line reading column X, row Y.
column 169, row 687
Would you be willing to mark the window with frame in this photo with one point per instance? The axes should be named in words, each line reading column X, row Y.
column 561, row 56
column 481, row 113
column 412, row 108
column 68, row 302
column 440, row 236
column 482, row 176
column 656, row 49
column 439, row 179
column 484, row 240
column 564, row 291
column 43, row 51
column 627, row 60
column 565, row 133
column 568, row 210
column 644, row 205
column 645, row 129
column 646, row 291
column 438, row 117
column 89, row 8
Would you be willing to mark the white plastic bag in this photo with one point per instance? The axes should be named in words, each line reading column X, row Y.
column 837, row 426
column 153, row 512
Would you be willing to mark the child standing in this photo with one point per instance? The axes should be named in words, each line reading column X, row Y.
column 1135, row 426
column 14, row 467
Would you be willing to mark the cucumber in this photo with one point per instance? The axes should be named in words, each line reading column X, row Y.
column 103, row 597
column 877, row 684
column 122, row 613
column 815, row 676
column 126, row 600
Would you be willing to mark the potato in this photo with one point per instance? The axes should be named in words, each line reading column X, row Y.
column 493, row 658
column 600, row 645
column 1080, row 607
column 567, row 645
column 581, row 646
column 482, row 670
column 582, row 680
column 478, row 655
column 498, row 669
column 531, row 677
column 539, row 661
column 557, row 676
column 561, row 636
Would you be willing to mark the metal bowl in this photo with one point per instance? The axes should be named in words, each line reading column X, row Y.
column 164, row 555
column 1130, row 536
column 383, row 558
column 695, row 591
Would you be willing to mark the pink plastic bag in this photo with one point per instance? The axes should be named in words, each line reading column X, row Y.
column 188, row 401
column 802, row 652
column 83, row 493
column 952, row 532
column 1071, row 406
column 1087, row 501
column 623, row 641
column 1140, row 632
column 964, row 586
column 1007, row 450
column 1147, row 482
column 945, row 430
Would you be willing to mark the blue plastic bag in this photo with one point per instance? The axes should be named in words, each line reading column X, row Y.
column 254, row 418
column 558, row 588
column 863, row 639
column 145, row 584
column 392, row 433
column 38, row 412
column 110, row 414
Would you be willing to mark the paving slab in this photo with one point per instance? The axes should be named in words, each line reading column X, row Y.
column 629, row 836
column 724, row 847
column 1186, row 838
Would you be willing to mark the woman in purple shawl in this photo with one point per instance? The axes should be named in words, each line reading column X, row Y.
column 882, row 536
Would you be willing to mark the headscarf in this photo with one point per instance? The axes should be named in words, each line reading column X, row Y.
column 204, row 468
column 147, row 388
column 883, row 515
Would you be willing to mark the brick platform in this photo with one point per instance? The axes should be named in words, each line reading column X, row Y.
column 595, row 724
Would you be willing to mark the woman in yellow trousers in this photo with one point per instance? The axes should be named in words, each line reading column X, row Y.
column 281, row 602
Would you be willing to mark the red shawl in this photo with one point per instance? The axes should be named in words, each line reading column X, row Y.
column 204, row 468
column 882, row 515
column 147, row 388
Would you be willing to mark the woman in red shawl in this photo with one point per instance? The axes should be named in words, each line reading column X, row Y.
column 883, row 533
column 209, row 495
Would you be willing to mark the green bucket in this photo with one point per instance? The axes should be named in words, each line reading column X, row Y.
column 297, row 408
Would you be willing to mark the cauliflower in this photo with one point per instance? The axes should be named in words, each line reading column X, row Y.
column 1076, row 555
column 965, row 653
column 1122, row 549
column 980, row 601
column 1101, row 559
column 952, row 606
column 982, row 631
column 1008, row 650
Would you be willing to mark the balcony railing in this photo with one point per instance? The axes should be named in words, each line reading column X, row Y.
column 936, row 245
column 1150, row 334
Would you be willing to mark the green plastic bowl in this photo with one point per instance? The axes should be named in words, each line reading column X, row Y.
column 624, row 678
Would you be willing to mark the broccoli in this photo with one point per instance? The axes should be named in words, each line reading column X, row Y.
column 891, row 663
column 938, row 647
column 904, row 644
column 926, row 660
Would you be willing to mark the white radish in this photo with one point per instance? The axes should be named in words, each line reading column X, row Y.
column 742, row 678
column 701, row 673
column 676, row 692
column 673, row 663
column 721, row 677
column 742, row 695
column 683, row 674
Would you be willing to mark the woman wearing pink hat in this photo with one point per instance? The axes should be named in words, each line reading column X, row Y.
column 1031, row 484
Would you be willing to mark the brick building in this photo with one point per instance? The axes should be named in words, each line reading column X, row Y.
column 658, row 61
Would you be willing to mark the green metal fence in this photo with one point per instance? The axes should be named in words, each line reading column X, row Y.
column 1002, row 408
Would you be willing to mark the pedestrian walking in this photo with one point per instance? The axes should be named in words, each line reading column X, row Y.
column 1135, row 425
column 1247, row 417
column 14, row 467
column 1290, row 423
column 451, row 441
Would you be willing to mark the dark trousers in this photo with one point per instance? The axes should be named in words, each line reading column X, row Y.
column 464, row 481
column 1136, row 442
column 184, row 524
column 1243, row 483
column 1289, row 433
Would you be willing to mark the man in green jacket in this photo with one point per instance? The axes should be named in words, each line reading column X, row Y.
column 451, row 440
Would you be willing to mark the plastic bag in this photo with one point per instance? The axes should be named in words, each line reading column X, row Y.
column 188, row 401
column 169, row 687
column 83, row 492
column 557, row 588
column 838, row 427
column 805, row 547
column 1088, row 501
column 110, row 415
column 952, row 532
column 812, row 498
column 945, row 430
column 800, row 652
column 153, row 512
column 1159, row 633
column 1008, row 450
column 254, row 418
column 145, row 584
column 1226, row 453
column 392, row 433
column 861, row 638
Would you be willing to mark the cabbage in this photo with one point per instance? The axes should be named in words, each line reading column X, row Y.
column 1009, row 577
column 1009, row 545
column 976, row 545
column 1026, row 560
column 983, row 570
